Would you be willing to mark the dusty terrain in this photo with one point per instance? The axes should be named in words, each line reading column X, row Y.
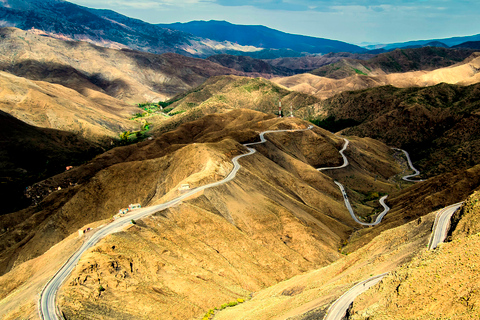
column 127, row 75
column 436, row 284
column 307, row 296
column 463, row 73
column 279, row 207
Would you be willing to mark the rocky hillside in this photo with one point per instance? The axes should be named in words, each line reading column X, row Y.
column 438, row 125
column 68, row 21
column 130, row 76
column 399, row 60
column 463, row 73
column 248, row 64
column 225, row 93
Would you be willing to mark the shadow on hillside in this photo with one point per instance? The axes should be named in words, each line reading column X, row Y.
column 65, row 75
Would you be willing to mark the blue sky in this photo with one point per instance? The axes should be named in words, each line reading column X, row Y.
column 353, row 21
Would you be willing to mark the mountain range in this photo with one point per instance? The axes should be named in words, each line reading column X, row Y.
column 260, row 181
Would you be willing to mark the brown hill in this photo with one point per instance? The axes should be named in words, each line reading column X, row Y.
column 279, row 217
column 309, row 63
column 47, row 105
column 436, row 284
column 29, row 154
column 462, row 73
column 396, row 61
column 128, row 75
column 437, row 125
column 224, row 93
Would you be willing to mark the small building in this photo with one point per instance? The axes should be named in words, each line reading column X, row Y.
column 123, row 211
column 134, row 206
column 184, row 186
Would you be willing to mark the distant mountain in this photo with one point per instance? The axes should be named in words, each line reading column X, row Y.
column 468, row 45
column 398, row 60
column 248, row 64
column 261, row 37
column 69, row 21
column 449, row 42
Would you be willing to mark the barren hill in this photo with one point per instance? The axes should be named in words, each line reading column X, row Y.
column 279, row 217
column 47, row 105
column 128, row 75
column 438, row 125
column 399, row 60
column 463, row 73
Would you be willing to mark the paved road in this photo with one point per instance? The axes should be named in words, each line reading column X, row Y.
column 339, row 308
column 47, row 300
column 345, row 160
column 345, row 197
column 349, row 207
column 407, row 177
column 442, row 222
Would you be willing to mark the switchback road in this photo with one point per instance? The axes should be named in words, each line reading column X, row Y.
column 345, row 160
column 442, row 221
column 407, row 177
column 339, row 308
column 345, row 197
column 47, row 300
column 349, row 207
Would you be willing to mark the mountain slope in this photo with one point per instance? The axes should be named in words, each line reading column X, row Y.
column 131, row 76
column 279, row 207
column 53, row 150
column 438, row 125
column 399, row 60
column 104, row 27
column 462, row 73
column 262, row 37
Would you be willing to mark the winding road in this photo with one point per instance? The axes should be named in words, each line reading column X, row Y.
column 349, row 207
column 345, row 160
column 442, row 222
column 47, row 300
column 344, row 193
column 417, row 173
column 339, row 308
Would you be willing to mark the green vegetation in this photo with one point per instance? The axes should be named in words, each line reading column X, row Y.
column 177, row 112
column 153, row 108
column 211, row 313
column 134, row 222
column 359, row 72
column 101, row 288
column 333, row 125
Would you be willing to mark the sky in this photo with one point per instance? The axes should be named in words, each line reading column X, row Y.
column 352, row 21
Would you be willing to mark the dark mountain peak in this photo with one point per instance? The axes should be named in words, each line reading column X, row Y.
column 262, row 37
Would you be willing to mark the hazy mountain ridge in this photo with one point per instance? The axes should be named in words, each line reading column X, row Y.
column 262, row 37
column 105, row 27
column 447, row 41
